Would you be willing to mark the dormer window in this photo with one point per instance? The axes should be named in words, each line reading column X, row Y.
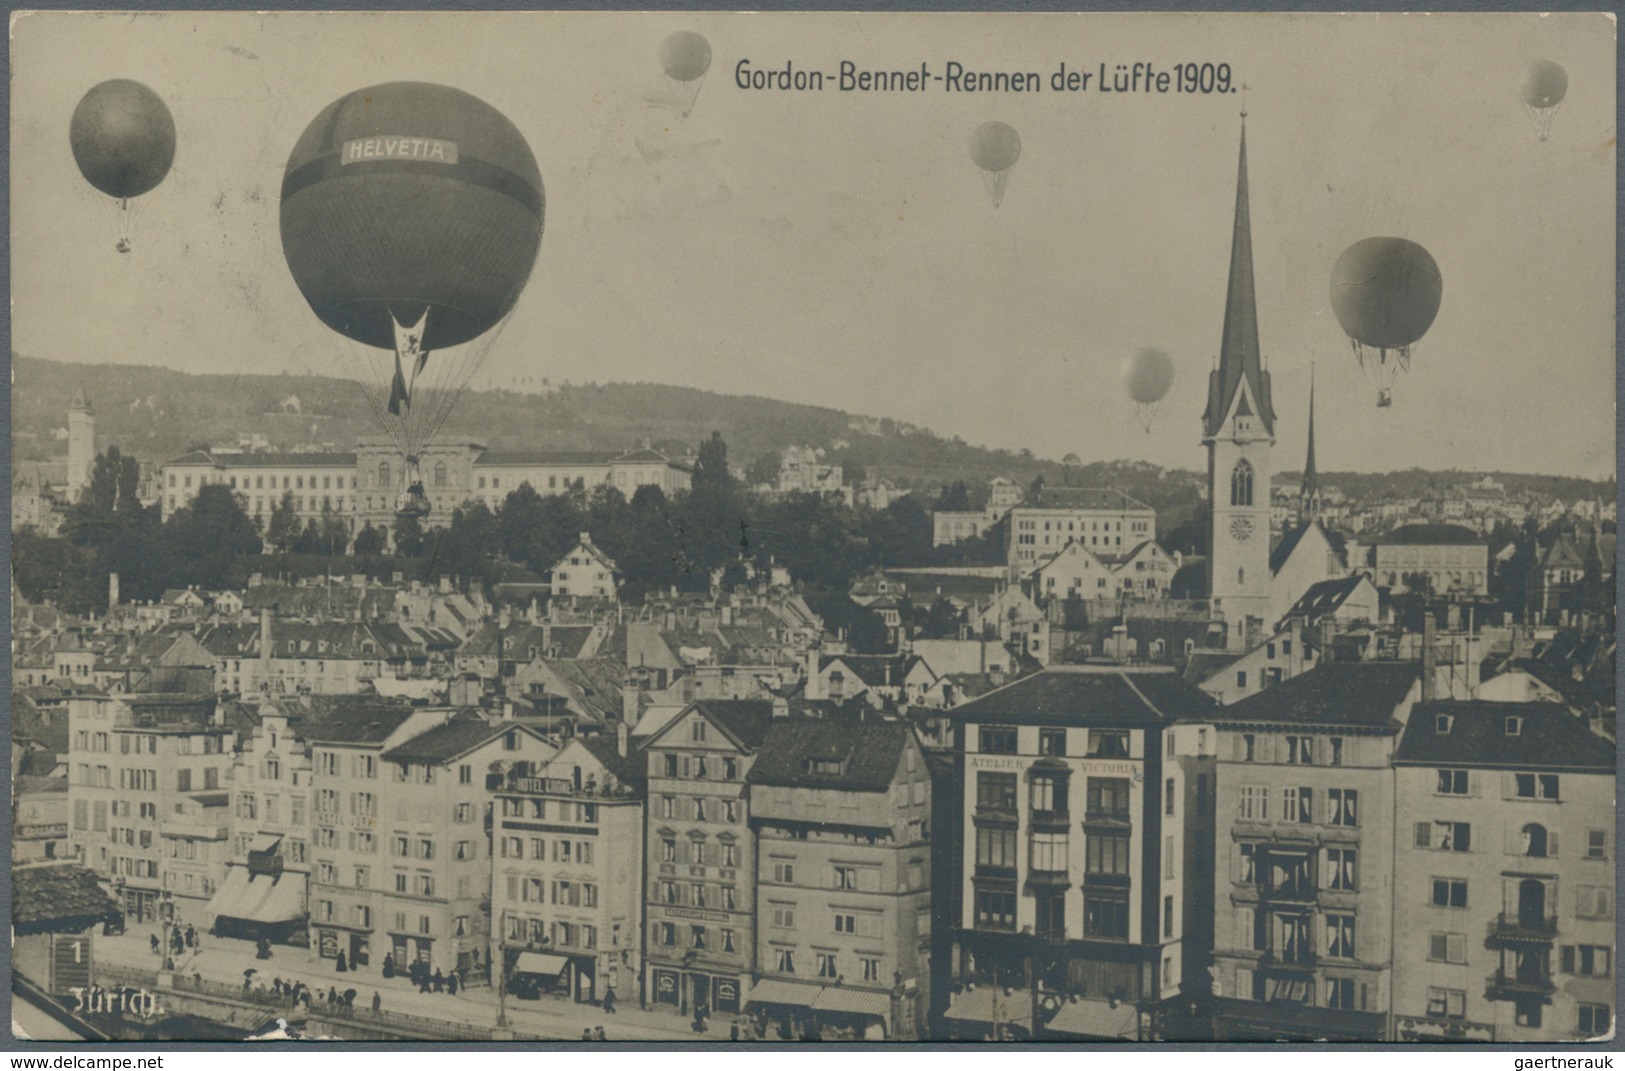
column 822, row 766
column 1441, row 724
column 1514, row 726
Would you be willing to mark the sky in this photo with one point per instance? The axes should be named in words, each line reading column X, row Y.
column 840, row 249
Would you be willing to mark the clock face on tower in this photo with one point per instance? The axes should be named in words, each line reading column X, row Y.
column 1241, row 529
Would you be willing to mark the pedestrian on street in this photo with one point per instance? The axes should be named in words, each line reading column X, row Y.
column 389, row 966
column 191, row 936
column 377, row 1002
column 586, row 1033
column 341, row 966
column 598, row 1034
column 451, row 983
column 439, row 981
column 155, row 944
column 609, row 1001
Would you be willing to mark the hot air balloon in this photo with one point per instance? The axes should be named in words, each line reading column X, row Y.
column 685, row 57
column 1542, row 89
column 1147, row 375
column 123, row 140
column 1385, row 292
column 411, row 219
column 994, row 148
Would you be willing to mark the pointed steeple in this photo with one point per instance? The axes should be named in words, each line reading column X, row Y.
column 1309, row 493
column 1239, row 360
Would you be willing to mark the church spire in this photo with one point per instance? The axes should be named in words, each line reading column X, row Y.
column 1239, row 359
column 1309, row 493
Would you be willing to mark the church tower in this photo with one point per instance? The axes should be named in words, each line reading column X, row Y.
column 81, row 444
column 1238, row 429
column 1309, row 490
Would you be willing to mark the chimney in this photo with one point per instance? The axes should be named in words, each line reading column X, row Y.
column 502, row 618
column 265, row 645
column 813, row 687
column 727, row 614
column 586, row 538
column 1429, row 655
column 622, row 737
column 781, row 707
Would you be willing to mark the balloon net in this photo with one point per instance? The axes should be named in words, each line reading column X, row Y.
column 1382, row 367
column 995, row 181
column 674, row 95
column 1145, row 412
column 1542, row 118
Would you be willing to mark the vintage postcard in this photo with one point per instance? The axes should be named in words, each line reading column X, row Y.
column 691, row 527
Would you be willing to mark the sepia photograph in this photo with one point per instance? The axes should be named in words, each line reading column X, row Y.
column 697, row 528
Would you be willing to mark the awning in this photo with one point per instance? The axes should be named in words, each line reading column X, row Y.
column 260, row 898
column 853, row 1001
column 977, row 1006
column 776, row 991
column 265, row 842
column 540, row 963
column 1097, row 1019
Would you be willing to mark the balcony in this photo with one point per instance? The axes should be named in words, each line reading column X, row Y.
column 1049, row 879
column 564, row 786
column 1512, row 930
column 1519, row 986
column 1051, row 821
column 1290, row 892
column 1114, row 819
column 998, row 815
column 1294, row 961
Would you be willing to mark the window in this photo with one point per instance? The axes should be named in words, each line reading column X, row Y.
column 1342, row 869
column 696, row 936
column 844, row 878
column 1167, row 916
column 1052, row 741
column 1340, row 936
column 1593, row 961
column 1241, row 484
column 1300, row 750
column 1595, row 1019
column 1595, row 902
column 784, row 960
column 845, row 923
column 668, row 850
column 1106, row 854
column 727, row 940
column 1168, row 798
column 1298, row 805
column 1526, row 1012
column 1047, row 851
column 1343, row 806
column 668, row 806
column 784, row 873
column 1449, row 892
column 826, row 965
column 730, row 769
column 1596, row 844
column 1452, row 783
column 699, row 810
column 1444, row 836
column 1447, row 947
column 671, row 765
column 1047, row 794
column 1447, row 1003
column 1534, row 841
column 1107, row 797
column 1108, row 743
column 1336, row 757
column 995, row 791
column 1535, row 786
column 784, row 918
column 871, row 968
column 668, row 934
column 997, row 740
column 1253, row 803
column 1249, row 744
column 1340, row 993
column 1105, row 913
column 995, row 909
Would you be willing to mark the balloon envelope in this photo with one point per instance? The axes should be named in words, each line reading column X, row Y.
column 1147, row 376
column 1544, row 84
column 410, row 197
column 123, row 138
column 995, row 146
column 1386, row 292
column 685, row 55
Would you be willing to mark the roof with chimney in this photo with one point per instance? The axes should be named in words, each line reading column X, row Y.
column 1240, row 361
column 1524, row 736
column 843, row 754
column 1344, row 694
column 451, row 740
column 360, row 723
column 1076, row 695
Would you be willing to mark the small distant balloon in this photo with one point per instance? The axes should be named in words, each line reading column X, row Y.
column 685, row 57
column 1147, row 377
column 994, row 148
column 1543, row 86
column 123, row 140
column 1385, row 293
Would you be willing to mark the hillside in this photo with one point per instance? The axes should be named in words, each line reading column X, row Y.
column 157, row 414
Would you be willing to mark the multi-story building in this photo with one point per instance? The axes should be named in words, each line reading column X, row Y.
column 131, row 760
column 1303, row 905
column 1454, row 559
column 700, row 868
column 365, row 487
column 1504, row 876
column 567, row 888
column 1083, row 847
column 399, row 863
column 841, row 810
column 195, row 846
column 1109, row 523
column 585, row 573
column 302, row 658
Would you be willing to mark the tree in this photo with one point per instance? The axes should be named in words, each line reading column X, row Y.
column 108, row 499
column 283, row 528
column 310, row 539
column 955, row 498
column 370, row 541
column 711, row 468
column 410, row 540
column 335, row 534
column 209, row 537
column 764, row 470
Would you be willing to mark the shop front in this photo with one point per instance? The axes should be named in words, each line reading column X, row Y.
column 533, row 974
column 689, row 990
column 258, row 906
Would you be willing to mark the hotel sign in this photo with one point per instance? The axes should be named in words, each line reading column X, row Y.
column 1096, row 767
column 697, row 915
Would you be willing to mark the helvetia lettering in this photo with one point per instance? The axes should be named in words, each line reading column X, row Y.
column 393, row 147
